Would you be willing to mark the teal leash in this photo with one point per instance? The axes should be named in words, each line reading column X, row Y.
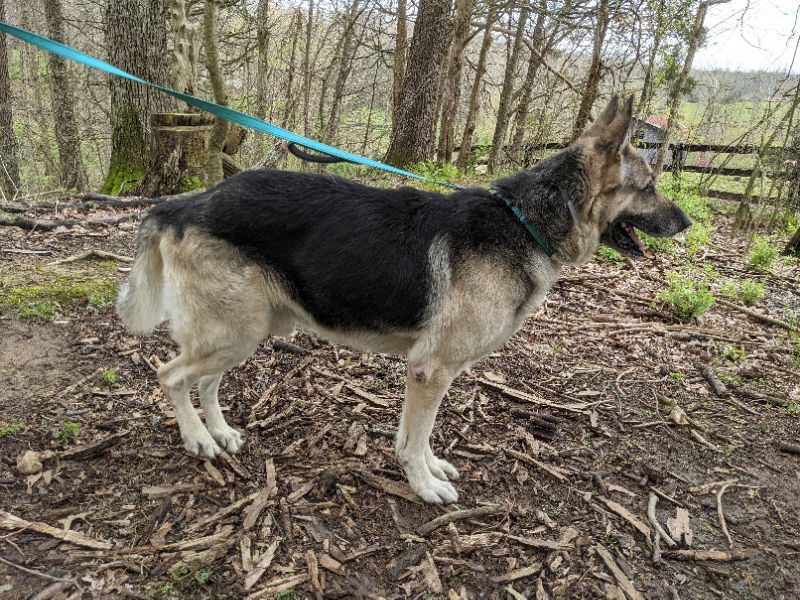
column 243, row 119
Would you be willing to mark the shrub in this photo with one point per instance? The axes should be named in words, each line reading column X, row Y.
column 686, row 297
column 762, row 253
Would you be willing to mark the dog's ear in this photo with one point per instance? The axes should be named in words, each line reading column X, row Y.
column 618, row 131
column 605, row 118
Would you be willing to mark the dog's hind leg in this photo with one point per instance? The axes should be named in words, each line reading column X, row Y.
column 426, row 473
column 177, row 378
column 225, row 435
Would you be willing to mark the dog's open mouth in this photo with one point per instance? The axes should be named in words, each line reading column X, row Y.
column 622, row 236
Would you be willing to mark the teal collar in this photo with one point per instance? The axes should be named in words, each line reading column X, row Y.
column 540, row 239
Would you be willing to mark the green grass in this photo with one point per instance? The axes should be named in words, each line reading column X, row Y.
column 607, row 254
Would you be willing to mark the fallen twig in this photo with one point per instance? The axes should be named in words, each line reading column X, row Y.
column 722, row 515
column 459, row 515
column 622, row 580
column 42, row 575
column 651, row 515
column 756, row 315
column 92, row 254
column 628, row 516
column 719, row 555
column 9, row 521
column 714, row 381
column 519, row 395
column 790, row 448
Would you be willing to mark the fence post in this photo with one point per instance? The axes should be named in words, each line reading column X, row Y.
column 678, row 158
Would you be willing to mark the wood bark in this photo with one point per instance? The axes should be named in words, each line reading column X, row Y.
column 214, row 171
column 72, row 171
column 307, row 70
column 412, row 134
column 592, row 84
column 185, row 49
column 400, row 49
column 453, row 82
column 9, row 147
column 503, row 109
column 474, row 96
column 140, row 50
column 262, row 47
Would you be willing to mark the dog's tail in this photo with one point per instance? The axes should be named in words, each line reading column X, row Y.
column 140, row 300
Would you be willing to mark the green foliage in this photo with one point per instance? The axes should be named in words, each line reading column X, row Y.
column 609, row 255
column 201, row 576
column 685, row 297
column 656, row 244
column 447, row 172
column 11, row 428
column 748, row 291
column 58, row 291
column 697, row 237
column 688, row 198
column 191, row 183
column 68, row 432
column 732, row 354
column 793, row 408
column 762, row 253
column 109, row 376
column 287, row 595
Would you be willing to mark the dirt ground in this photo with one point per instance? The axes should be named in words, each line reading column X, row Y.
column 560, row 437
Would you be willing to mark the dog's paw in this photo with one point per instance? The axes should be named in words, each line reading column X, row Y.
column 440, row 468
column 436, row 491
column 229, row 439
column 202, row 444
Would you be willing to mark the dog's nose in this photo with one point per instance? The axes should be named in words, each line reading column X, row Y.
column 684, row 221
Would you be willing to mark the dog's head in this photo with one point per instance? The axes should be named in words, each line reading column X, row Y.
column 621, row 195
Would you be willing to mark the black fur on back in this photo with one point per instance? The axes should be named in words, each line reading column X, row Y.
column 356, row 257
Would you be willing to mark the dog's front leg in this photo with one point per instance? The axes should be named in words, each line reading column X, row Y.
column 426, row 473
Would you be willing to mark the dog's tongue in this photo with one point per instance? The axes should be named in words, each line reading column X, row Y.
column 632, row 233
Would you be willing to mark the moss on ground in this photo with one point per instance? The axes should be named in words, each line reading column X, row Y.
column 54, row 292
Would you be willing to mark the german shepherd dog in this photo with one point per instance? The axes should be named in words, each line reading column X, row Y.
column 441, row 279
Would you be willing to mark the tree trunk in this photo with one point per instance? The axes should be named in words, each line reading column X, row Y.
column 262, row 45
column 592, row 84
column 677, row 92
column 214, row 172
column 411, row 139
column 185, row 49
column 400, row 49
column 140, row 50
column 474, row 97
column 9, row 148
column 40, row 144
column 345, row 66
column 73, row 173
column 647, row 87
column 307, row 70
column 503, row 109
column 524, row 106
column 455, row 75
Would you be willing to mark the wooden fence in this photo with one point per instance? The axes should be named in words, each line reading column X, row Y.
column 679, row 152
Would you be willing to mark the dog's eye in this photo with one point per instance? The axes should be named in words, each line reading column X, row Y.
column 649, row 189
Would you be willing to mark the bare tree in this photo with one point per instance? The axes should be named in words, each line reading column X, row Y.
column 592, row 83
column 214, row 172
column 73, row 173
column 474, row 96
column 9, row 148
column 411, row 138
column 503, row 109
column 400, row 49
column 695, row 37
column 451, row 88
